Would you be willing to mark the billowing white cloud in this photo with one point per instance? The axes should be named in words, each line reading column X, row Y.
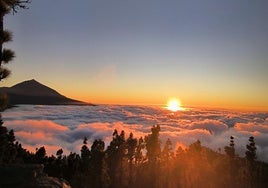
column 211, row 125
column 36, row 125
column 252, row 127
column 65, row 126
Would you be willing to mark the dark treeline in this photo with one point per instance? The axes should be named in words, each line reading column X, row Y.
column 143, row 162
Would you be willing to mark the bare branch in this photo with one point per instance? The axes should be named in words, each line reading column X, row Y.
column 17, row 4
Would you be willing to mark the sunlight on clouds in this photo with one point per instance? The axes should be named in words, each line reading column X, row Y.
column 251, row 127
column 211, row 125
column 34, row 137
column 104, row 130
column 61, row 127
column 36, row 125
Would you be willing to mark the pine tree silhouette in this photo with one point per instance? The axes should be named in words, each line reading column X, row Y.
column 7, row 55
column 251, row 150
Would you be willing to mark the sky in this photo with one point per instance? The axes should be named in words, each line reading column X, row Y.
column 208, row 53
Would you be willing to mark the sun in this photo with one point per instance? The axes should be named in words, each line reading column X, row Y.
column 174, row 105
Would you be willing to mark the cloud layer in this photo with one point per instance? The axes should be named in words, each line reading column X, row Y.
column 65, row 126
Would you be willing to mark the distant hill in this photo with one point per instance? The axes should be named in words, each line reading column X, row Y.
column 33, row 92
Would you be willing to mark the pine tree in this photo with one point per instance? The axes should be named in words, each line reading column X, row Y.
column 139, row 158
column 7, row 55
column 116, row 153
column 153, row 144
column 230, row 150
column 153, row 147
column 251, row 165
column 99, row 171
column 167, row 164
column 167, row 153
column 40, row 155
column 195, row 147
column 231, row 165
column 8, row 149
column 3, row 141
column 131, row 152
column 251, row 150
column 59, row 154
column 85, row 153
column 12, row 150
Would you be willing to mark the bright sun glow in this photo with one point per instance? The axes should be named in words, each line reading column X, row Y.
column 174, row 105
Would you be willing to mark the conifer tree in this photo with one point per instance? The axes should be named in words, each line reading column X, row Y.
column 251, row 150
column 99, row 171
column 116, row 153
column 251, row 156
column 153, row 144
column 131, row 152
column 7, row 55
column 131, row 147
column 230, row 150
column 138, row 154
column 231, row 165
column 59, row 154
column 3, row 141
column 40, row 155
column 195, row 147
column 85, row 153
column 8, row 149
column 167, row 153
column 153, row 147
column 12, row 150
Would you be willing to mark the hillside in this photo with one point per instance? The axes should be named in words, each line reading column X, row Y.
column 33, row 92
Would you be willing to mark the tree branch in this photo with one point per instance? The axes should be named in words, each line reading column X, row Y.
column 17, row 4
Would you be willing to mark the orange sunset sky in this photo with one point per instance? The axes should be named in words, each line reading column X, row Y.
column 206, row 53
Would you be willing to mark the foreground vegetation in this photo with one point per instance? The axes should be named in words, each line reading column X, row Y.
column 143, row 162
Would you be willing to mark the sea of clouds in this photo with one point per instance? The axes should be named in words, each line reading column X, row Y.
column 65, row 127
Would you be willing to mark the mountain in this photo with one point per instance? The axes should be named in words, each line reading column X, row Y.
column 33, row 92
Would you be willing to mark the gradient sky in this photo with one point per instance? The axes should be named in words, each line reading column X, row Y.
column 208, row 52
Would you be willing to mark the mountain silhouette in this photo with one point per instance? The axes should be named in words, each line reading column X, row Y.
column 33, row 92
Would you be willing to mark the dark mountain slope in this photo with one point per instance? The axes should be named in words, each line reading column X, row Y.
column 33, row 92
column 34, row 88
